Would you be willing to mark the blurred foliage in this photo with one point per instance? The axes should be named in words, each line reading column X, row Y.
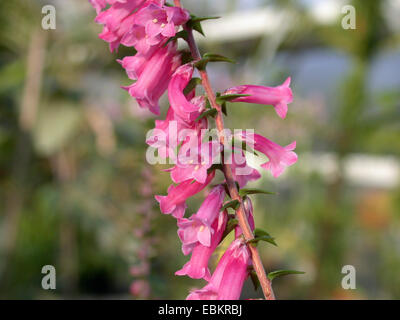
column 76, row 192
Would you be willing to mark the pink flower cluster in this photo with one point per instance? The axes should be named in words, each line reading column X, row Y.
column 148, row 25
column 145, row 25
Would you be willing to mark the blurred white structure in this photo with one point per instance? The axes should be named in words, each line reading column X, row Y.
column 254, row 23
column 244, row 25
column 359, row 169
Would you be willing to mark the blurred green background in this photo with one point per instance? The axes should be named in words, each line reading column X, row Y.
column 77, row 193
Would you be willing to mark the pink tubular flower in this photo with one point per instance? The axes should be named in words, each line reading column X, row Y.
column 153, row 25
column 197, row 229
column 227, row 280
column 119, row 18
column 279, row 157
column 279, row 96
column 241, row 171
column 154, row 78
column 160, row 22
column 197, row 267
column 194, row 160
column 174, row 202
column 166, row 135
column 186, row 110
column 134, row 65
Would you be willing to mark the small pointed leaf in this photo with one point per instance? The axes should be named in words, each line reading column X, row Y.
column 280, row 273
column 230, row 97
column 234, row 204
column 194, row 82
column 232, row 223
column 180, row 35
column 216, row 166
column 247, row 191
column 211, row 57
column 254, row 280
column 224, row 110
column 197, row 27
column 209, row 113
column 195, row 23
column 261, row 235
column 200, row 19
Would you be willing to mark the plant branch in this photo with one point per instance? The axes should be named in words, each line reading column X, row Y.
column 230, row 181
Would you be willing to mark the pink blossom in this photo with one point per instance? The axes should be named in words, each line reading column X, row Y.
column 167, row 135
column 197, row 267
column 227, row 280
column 279, row 96
column 119, row 18
column 154, row 78
column 160, row 22
column 164, row 137
column 279, row 157
column 194, row 160
column 186, row 110
column 241, row 171
column 134, row 65
column 174, row 202
column 153, row 25
column 197, row 229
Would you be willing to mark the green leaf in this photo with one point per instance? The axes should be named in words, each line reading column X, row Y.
column 194, row 82
column 223, row 108
column 230, row 97
column 211, row 112
column 195, row 23
column 198, row 27
column 211, row 57
column 215, row 166
column 232, row 223
column 186, row 56
column 261, row 235
column 280, row 273
column 201, row 19
column 180, row 35
column 254, row 279
column 237, row 185
column 247, row 191
column 208, row 104
column 234, row 204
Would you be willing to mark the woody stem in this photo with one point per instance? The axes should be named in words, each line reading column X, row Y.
column 230, row 181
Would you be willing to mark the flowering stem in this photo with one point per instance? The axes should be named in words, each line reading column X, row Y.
column 230, row 181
